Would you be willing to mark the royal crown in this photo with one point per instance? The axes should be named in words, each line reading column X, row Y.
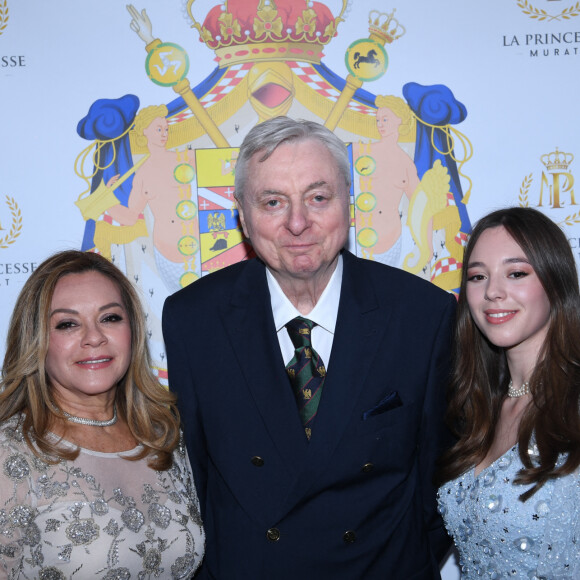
column 253, row 30
column 385, row 27
column 557, row 160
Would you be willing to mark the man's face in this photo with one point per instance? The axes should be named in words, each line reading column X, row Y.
column 296, row 211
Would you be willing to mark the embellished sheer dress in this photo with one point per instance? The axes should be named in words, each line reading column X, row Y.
column 499, row 536
column 99, row 516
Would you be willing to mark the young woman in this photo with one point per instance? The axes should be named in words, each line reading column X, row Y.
column 510, row 491
column 94, row 482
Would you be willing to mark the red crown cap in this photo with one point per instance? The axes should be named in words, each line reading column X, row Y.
column 256, row 21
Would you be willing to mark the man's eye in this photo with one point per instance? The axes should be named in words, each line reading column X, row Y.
column 272, row 203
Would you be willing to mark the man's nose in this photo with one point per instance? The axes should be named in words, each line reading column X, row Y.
column 297, row 218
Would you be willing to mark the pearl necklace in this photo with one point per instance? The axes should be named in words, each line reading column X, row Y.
column 523, row 390
column 92, row 422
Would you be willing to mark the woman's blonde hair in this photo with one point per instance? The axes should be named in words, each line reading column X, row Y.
column 144, row 118
column 148, row 408
column 400, row 108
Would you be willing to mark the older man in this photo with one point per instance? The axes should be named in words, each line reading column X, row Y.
column 311, row 383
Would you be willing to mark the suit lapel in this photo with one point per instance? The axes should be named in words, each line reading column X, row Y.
column 357, row 337
column 250, row 325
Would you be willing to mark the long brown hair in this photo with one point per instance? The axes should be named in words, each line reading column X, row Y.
column 481, row 375
column 148, row 408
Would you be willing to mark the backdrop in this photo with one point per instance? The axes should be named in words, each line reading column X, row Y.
column 120, row 127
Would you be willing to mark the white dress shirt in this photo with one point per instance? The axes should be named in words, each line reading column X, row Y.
column 324, row 314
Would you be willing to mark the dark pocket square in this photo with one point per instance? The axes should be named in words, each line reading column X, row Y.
column 391, row 401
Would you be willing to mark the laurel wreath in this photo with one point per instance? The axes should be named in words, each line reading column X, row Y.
column 16, row 228
column 525, row 187
column 571, row 220
column 3, row 15
column 540, row 15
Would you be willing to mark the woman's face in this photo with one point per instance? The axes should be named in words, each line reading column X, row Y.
column 89, row 347
column 387, row 122
column 157, row 132
column 505, row 296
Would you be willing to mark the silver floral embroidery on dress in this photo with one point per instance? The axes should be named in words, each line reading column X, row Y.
column 159, row 515
column 16, row 467
column 133, row 519
column 51, row 573
column 99, row 516
column 118, row 574
column 82, row 532
column 21, row 515
column 498, row 536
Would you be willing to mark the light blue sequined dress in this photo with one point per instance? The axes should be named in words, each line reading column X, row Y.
column 498, row 536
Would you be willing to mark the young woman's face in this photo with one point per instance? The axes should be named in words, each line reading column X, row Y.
column 505, row 296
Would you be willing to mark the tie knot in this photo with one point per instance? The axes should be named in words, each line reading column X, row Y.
column 299, row 330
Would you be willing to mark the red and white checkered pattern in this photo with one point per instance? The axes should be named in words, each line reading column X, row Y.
column 308, row 75
column 461, row 238
column 226, row 84
column 303, row 71
column 445, row 265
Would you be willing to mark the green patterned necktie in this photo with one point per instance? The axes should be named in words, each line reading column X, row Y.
column 306, row 371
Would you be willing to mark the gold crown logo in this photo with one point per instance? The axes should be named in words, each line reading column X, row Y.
column 238, row 31
column 385, row 27
column 557, row 161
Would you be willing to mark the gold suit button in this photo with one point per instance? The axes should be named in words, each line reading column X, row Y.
column 349, row 537
column 273, row 534
column 257, row 461
column 368, row 467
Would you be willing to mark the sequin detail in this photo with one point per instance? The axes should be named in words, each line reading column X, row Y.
column 82, row 532
column 99, row 516
column 16, row 467
column 21, row 515
column 51, row 573
column 133, row 519
column 117, row 574
column 151, row 561
column 181, row 566
column 159, row 515
column 499, row 536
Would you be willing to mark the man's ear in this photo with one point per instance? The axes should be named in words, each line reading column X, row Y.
column 241, row 216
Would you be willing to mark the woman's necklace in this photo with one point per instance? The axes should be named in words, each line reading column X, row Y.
column 523, row 390
column 92, row 422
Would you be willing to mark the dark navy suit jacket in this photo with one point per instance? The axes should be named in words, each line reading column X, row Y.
column 356, row 502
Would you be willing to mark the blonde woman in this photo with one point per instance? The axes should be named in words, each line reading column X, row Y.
column 94, row 479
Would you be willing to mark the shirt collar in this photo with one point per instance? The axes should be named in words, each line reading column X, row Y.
column 324, row 313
